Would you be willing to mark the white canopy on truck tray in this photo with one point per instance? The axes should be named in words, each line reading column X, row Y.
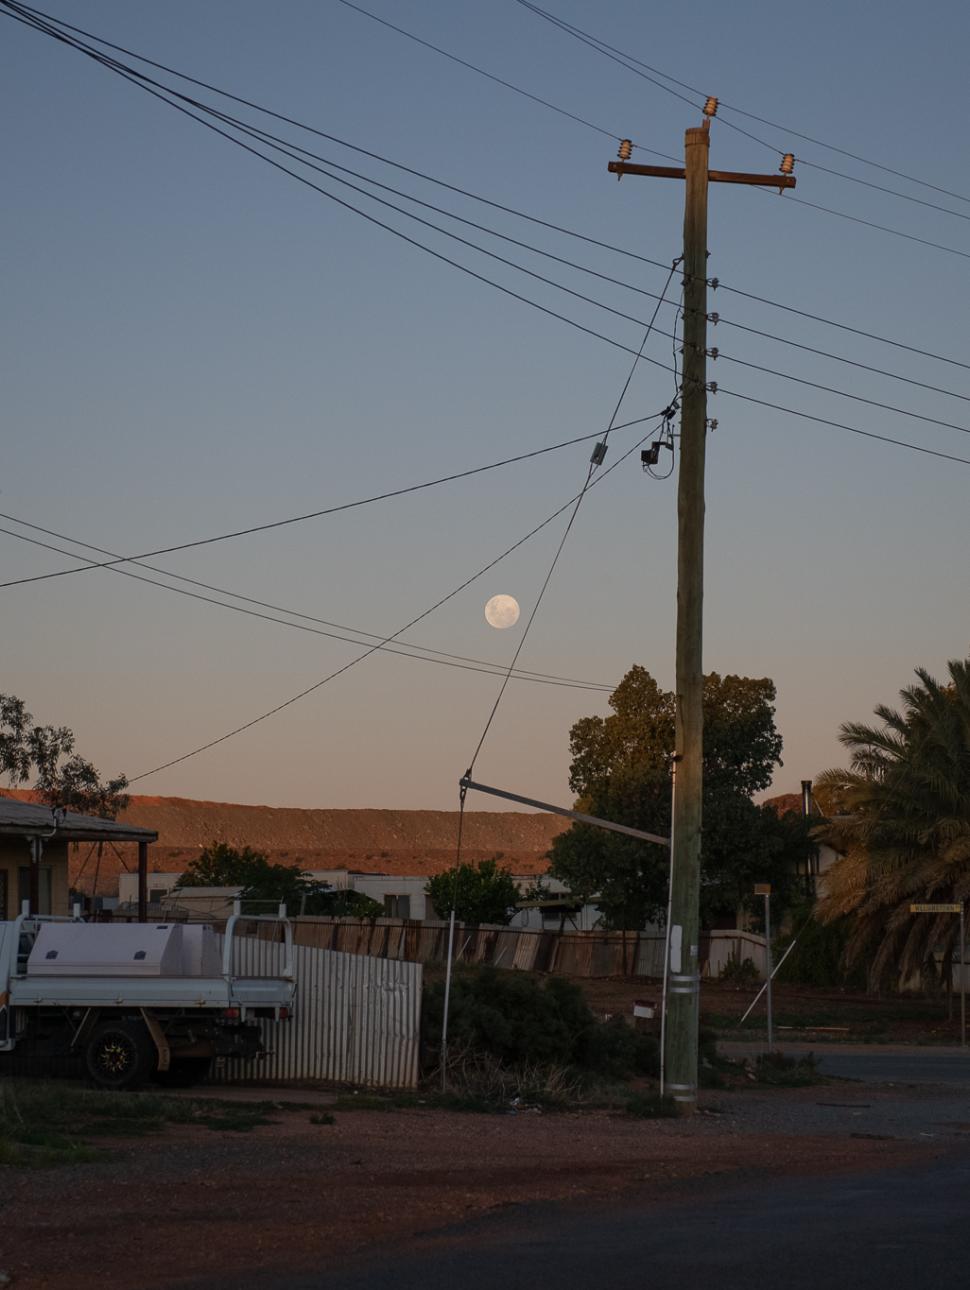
column 100, row 949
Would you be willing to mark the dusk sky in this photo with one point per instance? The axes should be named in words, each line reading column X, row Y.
column 194, row 342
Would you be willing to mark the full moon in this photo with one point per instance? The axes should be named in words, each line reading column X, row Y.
column 502, row 611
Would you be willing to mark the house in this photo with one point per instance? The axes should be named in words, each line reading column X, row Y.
column 34, row 843
column 403, row 896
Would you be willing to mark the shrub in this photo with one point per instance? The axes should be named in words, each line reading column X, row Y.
column 818, row 958
column 520, row 1022
column 615, row 1049
column 738, row 971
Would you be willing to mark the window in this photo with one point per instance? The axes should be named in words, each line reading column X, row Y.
column 397, row 906
column 44, row 887
column 3, row 896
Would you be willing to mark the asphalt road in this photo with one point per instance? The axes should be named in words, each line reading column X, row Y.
column 903, row 1230
column 882, row 1064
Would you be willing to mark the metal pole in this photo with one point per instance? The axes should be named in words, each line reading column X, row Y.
column 963, row 974
column 689, row 685
column 142, row 882
column 444, row 1017
column 754, row 1002
column 768, row 967
column 670, row 891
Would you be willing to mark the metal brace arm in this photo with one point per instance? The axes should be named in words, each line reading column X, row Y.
column 467, row 783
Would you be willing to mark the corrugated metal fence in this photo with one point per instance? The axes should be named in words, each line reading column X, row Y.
column 583, row 954
column 357, row 1019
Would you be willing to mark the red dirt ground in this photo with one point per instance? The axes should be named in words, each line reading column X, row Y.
column 195, row 1205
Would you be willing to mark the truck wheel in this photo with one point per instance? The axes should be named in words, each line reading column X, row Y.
column 120, row 1055
column 184, row 1072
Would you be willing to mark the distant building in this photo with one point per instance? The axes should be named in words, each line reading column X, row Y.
column 401, row 897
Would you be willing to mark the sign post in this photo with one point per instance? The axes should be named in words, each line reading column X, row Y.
column 764, row 889
column 954, row 908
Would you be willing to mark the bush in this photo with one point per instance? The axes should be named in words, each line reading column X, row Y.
column 738, row 971
column 818, row 959
column 520, row 1022
column 613, row 1048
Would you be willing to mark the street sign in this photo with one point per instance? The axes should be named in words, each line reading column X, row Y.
column 935, row 909
column 762, row 888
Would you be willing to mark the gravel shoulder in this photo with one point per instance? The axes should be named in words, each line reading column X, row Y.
column 191, row 1204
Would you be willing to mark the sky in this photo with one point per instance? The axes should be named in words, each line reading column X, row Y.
column 192, row 342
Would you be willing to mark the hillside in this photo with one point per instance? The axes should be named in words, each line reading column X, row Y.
column 384, row 841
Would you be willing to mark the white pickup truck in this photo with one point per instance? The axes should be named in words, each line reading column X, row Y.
column 135, row 1001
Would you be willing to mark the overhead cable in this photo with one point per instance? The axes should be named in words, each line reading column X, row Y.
column 310, row 689
column 406, row 650
column 594, row 463
column 262, row 136
column 313, row 515
column 603, row 47
column 138, row 79
column 510, row 210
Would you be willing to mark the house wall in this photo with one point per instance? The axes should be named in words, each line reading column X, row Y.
column 15, row 858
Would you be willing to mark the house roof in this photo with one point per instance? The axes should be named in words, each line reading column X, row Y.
column 30, row 819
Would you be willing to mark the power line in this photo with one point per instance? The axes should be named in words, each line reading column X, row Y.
column 881, row 188
column 27, row 10
column 595, row 461
column 608, row 52
column 285, row 145
column 498, row 80
column 840, row 425
column 844, row 394
column 622, row 60
column 323, row 134
column 261, row 136
column 840, row 358
column 407, row 650
column 603, row 47
column 841, row 326
column 312, row 515
column 212, row 743
column 137, row 79
column 590, row 300
column 558, row 228
column 882, row 228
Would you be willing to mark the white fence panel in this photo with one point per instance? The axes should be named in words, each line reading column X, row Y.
column 356, row 1019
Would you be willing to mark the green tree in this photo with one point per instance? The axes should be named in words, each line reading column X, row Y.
column 900, row 817
column 620, row 771
column 483, row 893
column 62, row 778
column 265, row 885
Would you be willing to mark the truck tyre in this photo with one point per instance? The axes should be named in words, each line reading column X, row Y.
column 120, row 1055
column 184, row 1072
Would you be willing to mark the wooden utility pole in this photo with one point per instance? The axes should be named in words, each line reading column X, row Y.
column 683, row 964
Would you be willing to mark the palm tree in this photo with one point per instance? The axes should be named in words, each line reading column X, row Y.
column 900, row 816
